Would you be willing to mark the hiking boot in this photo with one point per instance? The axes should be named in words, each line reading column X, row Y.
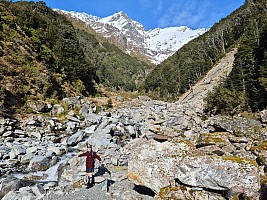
column 89, row 182
column 93, row 180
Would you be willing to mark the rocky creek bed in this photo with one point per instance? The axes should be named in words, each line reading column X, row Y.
column 153, row 149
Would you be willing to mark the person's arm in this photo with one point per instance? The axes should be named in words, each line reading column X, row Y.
column 83, row 154
column 97, row 157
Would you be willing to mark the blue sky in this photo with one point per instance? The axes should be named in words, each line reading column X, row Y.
column 156, row 13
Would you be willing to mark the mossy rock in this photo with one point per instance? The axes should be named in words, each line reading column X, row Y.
column 186, row 193
column 216, row 138
column 239, row 160
column 261, row 147
column 165, row 193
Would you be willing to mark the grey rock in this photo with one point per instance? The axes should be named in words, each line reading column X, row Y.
column 19, row 132
column 152, row 164
column 37, row 106
column 8, row 134
column 85, row 110
column 156, row 165
column 72, row 127
column 58, row 151
column 90, row 130
column 73, row 102
column 125, row 190
column 32, row 122
column 2, row 121
column 76, row 138
column 57, row 109
column 9, row 184
column 2, row 130
column 26, row 158
column 50, row 154
column 73, row 118
column 5, row 149
column 131, row 130
column 237, row 125
column 34, row 134
column 31, row 150
column 93, row 118
column 114, row 161
column 219, row 173
column 38, row 190
column 10, row 122
column 19, row 196
column 263, row 116
column 17, row 150
column 119, row 176
column 39, row 163
column 143, row 98
column 25, row 190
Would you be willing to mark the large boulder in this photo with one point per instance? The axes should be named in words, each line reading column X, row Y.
column 9, row 184
column 238, row 125
column 18, row 195
column 76, row 138
column 158, row 165
column 73, row 173
column 153, row 164
column 219, row 173
column 39, row 163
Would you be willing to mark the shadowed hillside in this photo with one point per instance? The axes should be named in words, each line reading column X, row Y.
column 43, row 56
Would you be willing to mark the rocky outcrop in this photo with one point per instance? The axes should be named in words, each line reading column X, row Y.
column 220, row 173
column 152, row 164
column 159, row 165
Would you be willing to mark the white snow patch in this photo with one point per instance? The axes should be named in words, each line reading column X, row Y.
column 157, row 44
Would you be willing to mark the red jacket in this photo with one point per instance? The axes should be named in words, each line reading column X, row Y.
column 90, row 158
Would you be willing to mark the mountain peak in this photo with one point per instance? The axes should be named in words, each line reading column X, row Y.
column 122, row 14
column 156, row 45
column 119, row 16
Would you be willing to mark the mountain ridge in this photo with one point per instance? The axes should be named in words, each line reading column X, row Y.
column 156, row 44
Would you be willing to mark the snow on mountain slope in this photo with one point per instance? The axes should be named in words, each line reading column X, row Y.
column 156, row 45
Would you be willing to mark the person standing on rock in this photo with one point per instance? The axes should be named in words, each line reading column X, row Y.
column 90, row 164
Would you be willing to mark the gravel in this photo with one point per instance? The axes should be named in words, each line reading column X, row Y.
column 94, row 193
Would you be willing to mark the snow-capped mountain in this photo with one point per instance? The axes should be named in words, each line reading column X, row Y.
column 156, row 45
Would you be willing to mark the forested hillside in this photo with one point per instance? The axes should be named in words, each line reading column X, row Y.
column 114, row 68
column 40, row 55
column 245, row 89
column 43, row 56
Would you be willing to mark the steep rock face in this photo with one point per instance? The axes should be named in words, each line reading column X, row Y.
column 156, row 45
